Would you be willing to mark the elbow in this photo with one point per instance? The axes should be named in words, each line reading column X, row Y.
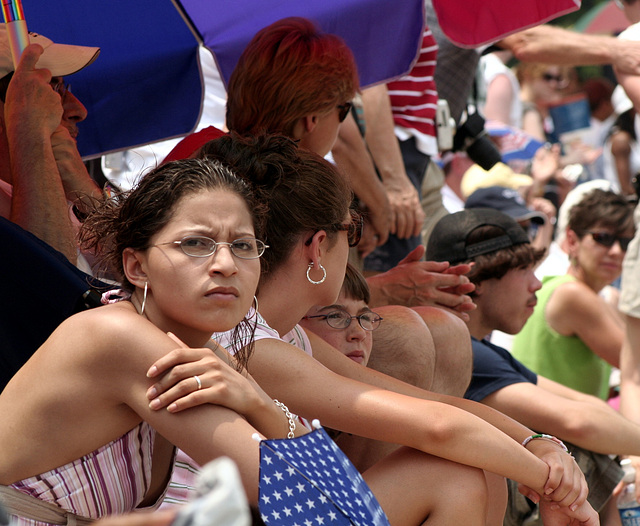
column 577, row 428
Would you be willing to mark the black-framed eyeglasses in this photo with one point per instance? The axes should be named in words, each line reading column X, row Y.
column 353, row 228
column 607, row 240
column 344, row 111
column 341, row 319
column 61, row 87
column 202, row 246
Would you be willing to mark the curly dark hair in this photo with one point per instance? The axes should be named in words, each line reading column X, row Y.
column 133, row 218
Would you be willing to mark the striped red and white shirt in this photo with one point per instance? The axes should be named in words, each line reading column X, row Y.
column 414, row 99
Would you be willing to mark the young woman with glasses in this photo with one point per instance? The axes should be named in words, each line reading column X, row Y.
column 78, row 436
column 304, row 266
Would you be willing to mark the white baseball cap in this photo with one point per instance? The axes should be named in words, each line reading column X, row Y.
column 60, row 59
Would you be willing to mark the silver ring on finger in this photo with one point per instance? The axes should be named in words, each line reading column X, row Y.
column 197, row 379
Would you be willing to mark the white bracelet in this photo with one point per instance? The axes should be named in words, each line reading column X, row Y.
column 546, row 437
column 292, row 423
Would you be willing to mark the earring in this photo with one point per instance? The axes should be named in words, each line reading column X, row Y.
column 144, row 298
column 255, row 299
column 324, row 274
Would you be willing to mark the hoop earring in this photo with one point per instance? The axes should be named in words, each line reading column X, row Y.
column 144, row 298
column 255, row 299
column 324, row 274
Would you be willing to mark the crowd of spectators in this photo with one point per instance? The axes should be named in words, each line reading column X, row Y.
column 325, row 254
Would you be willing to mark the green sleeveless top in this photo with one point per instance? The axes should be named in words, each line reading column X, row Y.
column 563, row 359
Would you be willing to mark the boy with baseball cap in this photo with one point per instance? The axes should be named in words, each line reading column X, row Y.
column 503, row 264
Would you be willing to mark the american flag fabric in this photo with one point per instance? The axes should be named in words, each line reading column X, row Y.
column 309, row 481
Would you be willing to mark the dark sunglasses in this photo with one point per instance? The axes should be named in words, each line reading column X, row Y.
column 607, row 240
column 558, row 79
column 344, row 111
column 354, row 228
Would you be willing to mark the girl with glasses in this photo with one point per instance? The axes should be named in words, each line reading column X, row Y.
column 448, row 445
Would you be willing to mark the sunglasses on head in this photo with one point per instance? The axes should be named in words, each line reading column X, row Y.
column 607, row 240
column 353, row 228
column 344, row 111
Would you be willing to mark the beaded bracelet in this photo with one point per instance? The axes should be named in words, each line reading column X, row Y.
column 546, row 437
column 292, row 424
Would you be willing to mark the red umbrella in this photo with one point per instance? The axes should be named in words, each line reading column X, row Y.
column 472, row 23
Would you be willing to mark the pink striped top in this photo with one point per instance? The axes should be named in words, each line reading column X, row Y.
column 111, row 480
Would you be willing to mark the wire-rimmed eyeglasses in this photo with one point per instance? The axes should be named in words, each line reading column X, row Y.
column 61, row 87
column 341, row 319
column 202, row 246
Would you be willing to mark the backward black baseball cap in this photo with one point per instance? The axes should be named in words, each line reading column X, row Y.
column 448, row 240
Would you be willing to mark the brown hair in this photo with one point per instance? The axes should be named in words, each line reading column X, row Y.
column 355, row 286
column 497, row 264
column 601, row 208
column 302, row 191
column 287, row 71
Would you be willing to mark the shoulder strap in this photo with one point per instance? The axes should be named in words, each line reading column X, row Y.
column 23, row 505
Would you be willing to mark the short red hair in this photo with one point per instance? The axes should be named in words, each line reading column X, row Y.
column 287, row 71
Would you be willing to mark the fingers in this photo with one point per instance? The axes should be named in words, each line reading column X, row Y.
column 415, row 255
column 30, row 57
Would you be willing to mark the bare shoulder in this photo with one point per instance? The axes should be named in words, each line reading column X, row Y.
column 104, row 333
column 570, row 305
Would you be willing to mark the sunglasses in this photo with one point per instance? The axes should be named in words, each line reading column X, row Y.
column 344, row 111
column 353, row 228
column 607, row 240
column 548, row 77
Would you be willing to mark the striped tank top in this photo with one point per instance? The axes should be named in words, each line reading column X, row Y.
column 113, row 479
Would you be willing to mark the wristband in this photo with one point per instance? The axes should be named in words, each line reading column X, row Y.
column 546, row 437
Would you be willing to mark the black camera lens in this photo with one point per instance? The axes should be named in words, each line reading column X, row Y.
column 483, row 152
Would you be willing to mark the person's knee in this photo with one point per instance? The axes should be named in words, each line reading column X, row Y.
column 403, row 346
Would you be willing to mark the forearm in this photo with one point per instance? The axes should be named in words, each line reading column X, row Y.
column 335, row 361
column 630, row 371
column 555, row 45
column 271, row 420
column 380, row 136
column 39, row 204
column 351, row 156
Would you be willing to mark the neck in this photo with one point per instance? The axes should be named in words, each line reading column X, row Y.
column 476, row 328
column 580, row 275
column 276, row 305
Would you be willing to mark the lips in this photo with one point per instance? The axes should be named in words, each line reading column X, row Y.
column 223, row 292
column 356, row 356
